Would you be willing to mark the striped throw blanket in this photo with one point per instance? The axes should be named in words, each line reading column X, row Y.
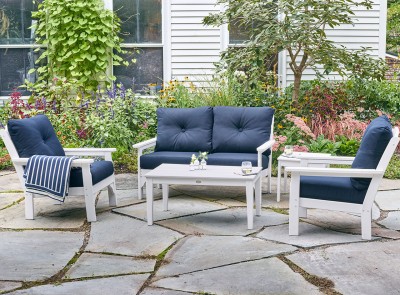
column 48, row 175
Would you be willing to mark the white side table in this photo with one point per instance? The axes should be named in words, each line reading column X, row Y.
column 294, row 161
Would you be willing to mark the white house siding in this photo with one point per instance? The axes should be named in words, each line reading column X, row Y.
column 194, row 47
column 369, row 31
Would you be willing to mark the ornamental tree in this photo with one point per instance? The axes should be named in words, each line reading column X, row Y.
column 393, row 27
column 299, row 28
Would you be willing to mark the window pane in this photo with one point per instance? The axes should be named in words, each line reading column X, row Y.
column 141, row 20
column 15, row 22
column 15, row 64
column 238, row 34
column 148, row 69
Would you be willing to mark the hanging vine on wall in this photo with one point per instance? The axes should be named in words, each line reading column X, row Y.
column 80, row 41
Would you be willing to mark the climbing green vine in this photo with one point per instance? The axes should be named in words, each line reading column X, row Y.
column 80, row 41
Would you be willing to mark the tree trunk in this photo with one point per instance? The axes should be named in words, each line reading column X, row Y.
column 296, row 88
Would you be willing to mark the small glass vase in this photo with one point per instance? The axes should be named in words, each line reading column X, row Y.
column 203, row 164
column 196, row 165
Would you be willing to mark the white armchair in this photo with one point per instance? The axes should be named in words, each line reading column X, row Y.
column 333, row 188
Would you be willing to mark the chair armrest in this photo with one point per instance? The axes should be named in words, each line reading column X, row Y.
column 336, row 172
column 267, row 145
column 92, row 152
column 145, row 144
column 75, row 162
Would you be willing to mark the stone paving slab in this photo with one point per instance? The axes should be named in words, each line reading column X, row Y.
column 310, row 235
column 48, row 214
column 198, row 253
column 177, row 206
column 10, row 182
column 248, row 278
column 94, row 265
column 7, row 199
column 392, row 221
column 388, row 200
column 123, row 285
column 159, row 291
column 7, row 286
column 36, row 255
column 232, row 221
column 389, row 184
column 362, row 268
column 117, row 234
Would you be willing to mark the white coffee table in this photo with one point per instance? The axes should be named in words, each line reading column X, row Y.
column 294, row 161
column 167, row 174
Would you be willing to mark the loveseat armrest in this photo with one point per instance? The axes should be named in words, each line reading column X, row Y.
column 265, row 146
column 94, row 152
column 145, row 144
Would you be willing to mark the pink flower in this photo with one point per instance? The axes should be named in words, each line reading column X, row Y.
column 300, row 148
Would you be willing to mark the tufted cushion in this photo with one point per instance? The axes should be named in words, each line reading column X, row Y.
column 153, row 160
column 373, row 144
column 241, row 130
column 99, row 169
column 235, row 159
column 34, row 136
column 337, row 189
column 184, row 130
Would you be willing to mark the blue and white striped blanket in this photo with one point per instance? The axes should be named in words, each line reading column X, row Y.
column 48, row 175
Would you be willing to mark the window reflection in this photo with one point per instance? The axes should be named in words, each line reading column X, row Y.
column 141, row 20
column 147, row 69
column 15, row 65
column 15, row 22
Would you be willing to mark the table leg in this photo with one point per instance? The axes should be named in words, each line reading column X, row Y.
column 285, row 180
column 250, row 204
column 278, row 187
column 165, row 195
column 149, row 201
column 258, row 198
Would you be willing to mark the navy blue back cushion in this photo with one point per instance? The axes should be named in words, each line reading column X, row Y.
column 241, row 130
column 184, row 130
column 34, row 136
column 373, row 144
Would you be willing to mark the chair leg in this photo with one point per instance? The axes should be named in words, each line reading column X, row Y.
column 90, row 201
column 366, row 225
column 112, row 198
column 29, row 206
column 141, row 183
column 303, row 212
column 294, row 204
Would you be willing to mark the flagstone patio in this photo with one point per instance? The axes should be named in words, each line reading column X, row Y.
column 200, row 246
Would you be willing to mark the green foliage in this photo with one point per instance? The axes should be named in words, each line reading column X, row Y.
column 5, row 160
column 393, row 169
column 348, row 147
column 393, row 27
column 323, row 145
column 80, row 39
column 300, row 31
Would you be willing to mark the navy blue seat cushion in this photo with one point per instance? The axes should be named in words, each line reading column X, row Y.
column 100, row 170
column 184, row 130
column 373, row 144
column 241, row 129
column 337, row 189
column 235, row 159
column 34, row 136
column 153, row 160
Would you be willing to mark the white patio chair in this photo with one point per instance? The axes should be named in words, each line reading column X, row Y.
column 36, row 136
column 350, row 190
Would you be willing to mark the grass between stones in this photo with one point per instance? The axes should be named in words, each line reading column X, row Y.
column 12, row 204
column 325, row 285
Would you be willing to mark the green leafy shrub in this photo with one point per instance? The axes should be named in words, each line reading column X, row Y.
column 348, row 147
column 80, row 41
column 323, row 145
column 393, row 169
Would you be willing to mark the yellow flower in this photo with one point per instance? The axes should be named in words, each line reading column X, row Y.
column 280, row 126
